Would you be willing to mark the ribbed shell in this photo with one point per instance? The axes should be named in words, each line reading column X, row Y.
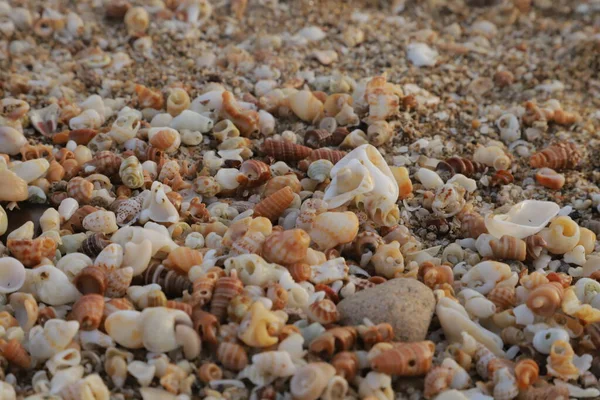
column 282, row 150
column 502, row 297
column 180, row 305
column 326, row 154
column 527, row 372
column 278, row 295
column 502, row 177
column 563, row 155
column 106, row 163
column 286, row 247
column 345, row 364
column 405, row 359
column 94, row 244
column 371, row 335
column 202, row 292
column 88, row 311
column 437, row 380
column 333, row 340
column 91, row 279
column 459, row 165
column 206, row 324
column 254, row 173
column 75, row 223
column 509, row 248
column 317, row 138
column 80, row 189
column 226, row 288
column 31, row 251
column 473, row 225
column 172, row 283
column 232, row 356
column 545, row 299
column 209, row 372
column 535, row 244
column 15, row 353
column 324, row 312
column 274, row 205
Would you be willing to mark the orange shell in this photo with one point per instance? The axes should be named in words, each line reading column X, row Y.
column 372, row 335
column 563, row 155
column 88, row 311
column 56, row 172
column 232, row 356
column 182, row 259
column 253, row 173
column 324, row 312
column 434, row 275
column 278, row 295
column 105, row 162
column 15, row 353
column 503, row 297
column 273, row 206
column 405, row 359
column 502, row 177
column 300, row 272
column 82, row 136
column 32, row 251
column 282, row 150
column 45, row 314
column 90, row 280
column 473, row 225
column 226, row 288
column 345, row 364
column 80, row 189
column 509, row 248
column 164, row 139
column 180, row 305
column 148, row 98
column 202, row 292
column 206, row 324
column 247, row 121
column 560, row 277
column 535, row 244
column 209, row 372
column 549, row 178
column 335, row 339
column 286, row 247
column 75, row 223
column 437, row 380
column 118, row 281
column 545, row 299
column 114, row 305
column 527, row 372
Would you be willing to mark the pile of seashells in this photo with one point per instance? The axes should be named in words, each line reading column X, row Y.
column 191, row 249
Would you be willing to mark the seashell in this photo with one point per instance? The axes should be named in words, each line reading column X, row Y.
column 94, row 244
column 323, row 311
column 562, row 278
column 317, row 138
column 379, row 133
column 587, row 239
column 12, row 188
column 14, row 352
column 274, row 363
column 11, row 140
column 278, row 296
column 562, row 235
column 118, row 281
column 101, row 221
column 505, row 385
column 105, row 163
column 80, row 189
column 346, row 364
column 159, row 328
column 333, row 340
column 285, row 151
column 164, row 139
column 279, row 182
column 509, row 248
column 125, row 328
column 527, row 372
column 259, row 327
column 31, row 170
column 30, row 252
column 232, row 356
column 131, row 173
column 177, row 102
column 545, row 299
column 82, row 136
column 273, row 206
column 182, row 259
column 523, row 219
column 14, row 109
column 91, row 279
column 253, row 173
column 75, row 222
column 310, row 381
column 12, row 275
column 371, row 335
column 437, row 380
column 247, row 121
column 305, row 105
column 287, row 247
column 52, row 338
column 157, row 207
column 572, row 306
column 327, row 154
column 25, row 309
column 319, row 170
column 50, row 285
column 503, row 297
column 225, row 289
column 492, row 156
column 535, row 244
column 405, row 359
column 171, row 282
column 45, row 120
column 562, row 155
column 549, row 178
column 56, row 172
column 512, row 335
column 88, row 311
column 560, row 361
column 209, row 372
column 300, row 272
column 323, row 234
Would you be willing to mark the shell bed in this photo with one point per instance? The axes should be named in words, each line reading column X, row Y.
column 299, row 200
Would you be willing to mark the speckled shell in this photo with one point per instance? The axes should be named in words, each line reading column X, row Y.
column 226, row 288
column 286, row 247
column 80, row 189
column 88, row 311
column 32, row 251
column 324, row 312
column 172, row 283
column 563, row 155
column 75, row 223
column 253, row 173
column 105, row 162
column 273, row 206
column 15, row 353
column 545, row 299
column 232, row 356
column 282, row 150
column 91, row 279
column 509, row 248
column 405, row 359
column 527, row 372
column 182, row 259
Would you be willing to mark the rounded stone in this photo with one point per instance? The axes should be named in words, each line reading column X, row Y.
column 406, row 304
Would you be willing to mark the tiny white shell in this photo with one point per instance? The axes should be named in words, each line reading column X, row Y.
column 67, row 208
column 430, row 179
column 543, row 340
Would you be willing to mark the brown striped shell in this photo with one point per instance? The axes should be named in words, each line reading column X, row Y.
column 75, row 223
column 509, row 248
column 253, row 173
column 545, row 299
column 232, row 356
column 326, row 154
column 459, row 165
column 88, row 311
column 226, row 288
column 274, row 205
column 323, row 311
column 317, row 138
column 405, row 359
column 282, row 150
column 206, row 324
column 91, row 279
column 202, row 292
column 535, row 244
column 437, row 380
column 473, row 225
column 15, row 353
column 345, row 364
column 333, row 340
column 80, row 189
column 32, row 251
column 105, row 162
column 371, row 335
column 502, row 177
column 562, row 155
column 172, row 283
column 93, row 244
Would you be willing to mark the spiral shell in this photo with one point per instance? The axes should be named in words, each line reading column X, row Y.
column 459, row 165
column 202, row 290
column 437, row 380
column 286, row 247
column 55, row 173
column 182, row 259
column 527, row 372
column 371, row 335
column 324, row 312
column 278, row 296
column 15, row 353
column 305, row 105
column 247, row 121
column 509, row 248
column 334, row 340
column 326, row 154
column 226, row 288
column 94, row 244
column 148, row 98
column 164, row 139
column 563, row 155
column 209, row 372
column 274, row 205
column 25, row 309
column 320, row 170
column 285, row 151
column 253, row 173
column 405, row 359
column 118, row 281
column 310, row 381
column 549, row 178
column 502, row 177
column 560, row 361
column 317, row 138
column 88, row 311
column 331, row 229
column 104, row 162
column 177, row 101
column 232, row 356
column 80, row 189
column 345, row 364
column 31, row 252
column 91, row 279
column 300, row 272
column 172, row 283
column 503, row 297
column 131, row 173
column 75, row 222
column 206, row 324
column 535, row 244
column 545, row 299
column 562, row 235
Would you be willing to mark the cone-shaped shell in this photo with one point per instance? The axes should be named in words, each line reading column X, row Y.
column 12, row 275
column 226, row 288
column 274, row 205
column 15, row 353
column 91, row 279
column 88, row 311
column 559, row 156
column 282, row 150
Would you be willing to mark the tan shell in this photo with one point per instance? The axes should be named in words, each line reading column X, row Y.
column 286, row 247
